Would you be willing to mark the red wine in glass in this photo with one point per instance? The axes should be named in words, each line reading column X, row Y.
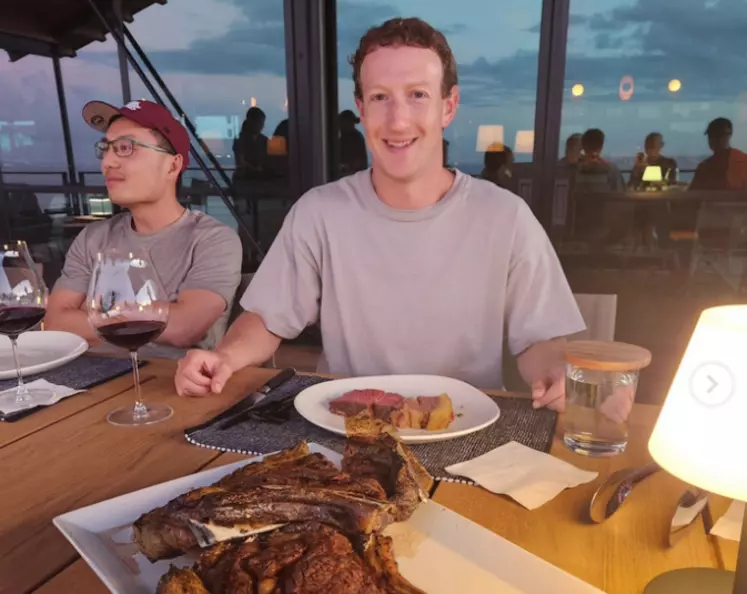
column 17, row 319
column 23, row 302
column 132, row 334
column 129, row 308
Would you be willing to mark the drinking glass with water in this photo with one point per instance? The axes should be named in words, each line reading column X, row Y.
column 601, row 383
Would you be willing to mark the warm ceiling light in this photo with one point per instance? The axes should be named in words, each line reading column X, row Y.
column 674, row 85
column 577, row 90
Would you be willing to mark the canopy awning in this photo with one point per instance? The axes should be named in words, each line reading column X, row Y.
column 58, row 27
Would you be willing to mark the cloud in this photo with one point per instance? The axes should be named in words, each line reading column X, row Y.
column 253, row 44
column 573, row 19
column 700, row 42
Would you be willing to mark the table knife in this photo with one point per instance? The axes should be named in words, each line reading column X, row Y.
column 253, row 399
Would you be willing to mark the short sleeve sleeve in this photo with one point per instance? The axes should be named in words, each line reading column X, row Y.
column 539, row 302
column 286, row 289
column 216, row 264
column 77, row 270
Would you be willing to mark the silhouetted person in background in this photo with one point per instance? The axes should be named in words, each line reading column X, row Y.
column 277, row 149
column 497, row 166
column 281, row 130
column 250, row 148
column 596, row 174
column 573, row 150
column 727, row 168
column 353, row 156
column 653, row 146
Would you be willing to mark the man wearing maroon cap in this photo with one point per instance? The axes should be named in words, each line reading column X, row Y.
column 143, row 152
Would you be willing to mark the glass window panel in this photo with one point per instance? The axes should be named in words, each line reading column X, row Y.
column 632, row 218
column 220, row 59
column 31, row 137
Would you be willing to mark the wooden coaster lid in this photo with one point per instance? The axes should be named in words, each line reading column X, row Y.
column 607, row 356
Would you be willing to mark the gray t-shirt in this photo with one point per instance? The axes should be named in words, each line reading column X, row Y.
column 195, row 252
column 429, row 291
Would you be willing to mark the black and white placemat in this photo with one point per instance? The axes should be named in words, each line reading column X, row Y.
column 518, row 422
column 82, row 373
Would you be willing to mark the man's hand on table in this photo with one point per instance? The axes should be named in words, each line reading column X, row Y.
column 201, row 373
column 543, row 369
column 549, row 393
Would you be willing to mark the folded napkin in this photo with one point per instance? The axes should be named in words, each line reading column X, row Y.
column 730, row 524
column 60, row 392
column 530, row 477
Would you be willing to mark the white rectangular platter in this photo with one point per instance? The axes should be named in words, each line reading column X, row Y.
column 438, row 550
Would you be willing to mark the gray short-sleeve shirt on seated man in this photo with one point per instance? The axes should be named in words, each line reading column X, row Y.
column 421, row 291
column 195, row 252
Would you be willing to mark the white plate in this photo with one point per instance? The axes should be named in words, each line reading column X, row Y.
column 474, row 409
column 40, row 351
column 437, row 549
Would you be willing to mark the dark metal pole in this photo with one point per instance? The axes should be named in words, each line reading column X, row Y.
column 4, row 210
column 550, row 81
column 312, row 125
column 66, row 127
column 177, row 107
column 740, row 572
column 151, row 89
column 124, row 72
column 330, row 85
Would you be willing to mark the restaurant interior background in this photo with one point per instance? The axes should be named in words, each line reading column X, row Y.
column 532, row 74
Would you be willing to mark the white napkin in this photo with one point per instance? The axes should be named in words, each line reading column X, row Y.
column 530, row 477
column 730, row 524
column 60, row 392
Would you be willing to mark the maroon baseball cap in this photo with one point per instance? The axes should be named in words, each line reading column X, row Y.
column 99, row 114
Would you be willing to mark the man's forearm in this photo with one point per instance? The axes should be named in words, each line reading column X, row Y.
column 542, row 361
column 248, row 342
column 179, row 332
column 71, row 320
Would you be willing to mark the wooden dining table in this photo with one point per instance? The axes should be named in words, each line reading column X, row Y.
column 67, row 456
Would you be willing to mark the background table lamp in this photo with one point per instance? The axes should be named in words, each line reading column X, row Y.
column 652, row 173
column 699, row 436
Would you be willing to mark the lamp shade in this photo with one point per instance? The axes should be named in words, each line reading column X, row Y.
column 524, row 141
column 701, row 433
column 487, row 136
column 652, row 173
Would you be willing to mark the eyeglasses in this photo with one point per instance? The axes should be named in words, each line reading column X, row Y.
column 124, row 146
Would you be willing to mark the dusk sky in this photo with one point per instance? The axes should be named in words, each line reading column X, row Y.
column 217, row 55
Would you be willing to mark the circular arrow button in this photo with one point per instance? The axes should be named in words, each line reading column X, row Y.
column 712, row 383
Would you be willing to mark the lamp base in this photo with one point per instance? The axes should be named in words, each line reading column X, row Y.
column 696, row 580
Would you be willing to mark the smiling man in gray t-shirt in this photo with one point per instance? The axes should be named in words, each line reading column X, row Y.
column 408, row 267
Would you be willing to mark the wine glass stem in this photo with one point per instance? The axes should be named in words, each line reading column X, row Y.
column 140, row 409
column 21, row 392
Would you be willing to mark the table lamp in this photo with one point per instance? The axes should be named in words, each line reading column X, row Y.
column 488, row 136
column 652, row 173
column 699, row 436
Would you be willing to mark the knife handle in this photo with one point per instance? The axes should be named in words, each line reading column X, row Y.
column 274, row 383
column 278, row 379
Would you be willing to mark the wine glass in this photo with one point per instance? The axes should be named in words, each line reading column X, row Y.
column 23, row 304
column 128, row 307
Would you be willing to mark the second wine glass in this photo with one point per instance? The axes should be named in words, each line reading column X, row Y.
column 128, row 307
column 23, row 302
